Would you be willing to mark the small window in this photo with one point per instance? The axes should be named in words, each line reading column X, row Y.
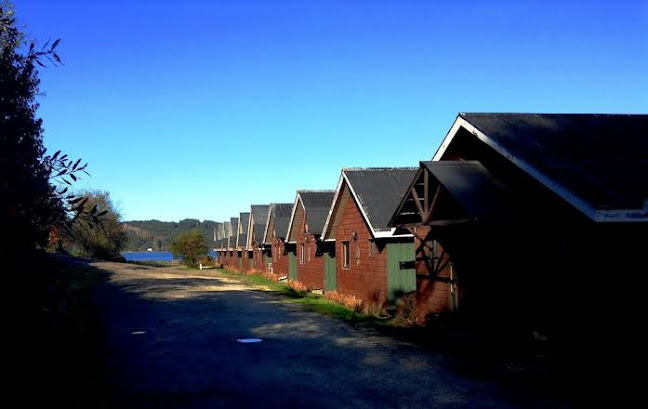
column 301, row 256
column 372, row 248
column 345, row 254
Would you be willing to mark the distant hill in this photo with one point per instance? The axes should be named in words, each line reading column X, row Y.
column 158, row 235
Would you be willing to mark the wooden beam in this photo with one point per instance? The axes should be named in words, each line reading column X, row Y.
column 426, row 182
column 424, row 241
column 417, row 200
column 438, row 223
column 434, row 201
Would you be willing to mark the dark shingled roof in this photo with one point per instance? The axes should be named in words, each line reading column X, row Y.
column 317, row 204
column 218, row 230
column 260, row 217
column 280, row 212
column 602, row 159
column 474, row 187
column 226, row 234
column 233, row 231
column 244, row 219
column 379, row 191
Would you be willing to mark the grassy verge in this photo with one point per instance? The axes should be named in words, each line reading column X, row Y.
column 312, row 302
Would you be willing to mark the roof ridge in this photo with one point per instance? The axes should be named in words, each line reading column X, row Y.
column 380, row 168
column 552, row 113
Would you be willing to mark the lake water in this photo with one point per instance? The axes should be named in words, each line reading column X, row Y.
column 153, row 256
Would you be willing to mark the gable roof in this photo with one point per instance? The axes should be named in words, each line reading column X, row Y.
column 316, row 205
column 473, row 186
column 596, row 162
column 233, row 232
column 218, row 227
column 377, row 192
column 280, row 214
column 226, row 235
column 241, row 238
column 256, row 225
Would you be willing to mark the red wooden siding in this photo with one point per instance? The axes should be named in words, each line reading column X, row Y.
column 366, row 276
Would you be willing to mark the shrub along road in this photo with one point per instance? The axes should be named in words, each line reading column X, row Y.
column 171, row 341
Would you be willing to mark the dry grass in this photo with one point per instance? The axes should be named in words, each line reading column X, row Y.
column 297, row 286
column 406, row 311
column 350, row 301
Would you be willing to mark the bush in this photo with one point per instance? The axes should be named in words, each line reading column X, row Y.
column 406, row 310
column 206, row 260
column 350, row 301
column 297, row 286
column 102, row 238
column 271, row 276
column 190, row 247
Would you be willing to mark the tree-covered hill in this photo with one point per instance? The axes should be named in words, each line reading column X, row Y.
column 158, row 235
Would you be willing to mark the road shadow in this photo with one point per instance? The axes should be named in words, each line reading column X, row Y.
column 171, row 341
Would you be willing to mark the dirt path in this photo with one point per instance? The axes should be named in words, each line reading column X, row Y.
column 171, row 342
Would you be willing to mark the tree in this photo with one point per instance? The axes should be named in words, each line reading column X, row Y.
column 33, row 197
column 190, row 247
column 99, row 236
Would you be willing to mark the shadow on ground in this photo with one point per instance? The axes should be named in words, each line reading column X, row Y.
column 171, row 341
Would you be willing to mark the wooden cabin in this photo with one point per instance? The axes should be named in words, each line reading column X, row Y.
column 309, row 212
column 521, row 218
column 218, row 240
column 274, row 237
column 369, row 261
column 223, row 252
column 232, row 259
column 242, row 262
column 256, row 227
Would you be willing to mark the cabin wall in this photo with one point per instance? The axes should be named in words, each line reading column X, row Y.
column 432, row 295
column 246, row 256
column 279, row 259
column 259, row 261
column 311, row 271
column 227, row 259
column 366, row 276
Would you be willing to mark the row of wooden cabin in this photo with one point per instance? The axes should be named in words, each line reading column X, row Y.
column 508, row 219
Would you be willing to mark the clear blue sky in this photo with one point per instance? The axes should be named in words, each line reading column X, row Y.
column 199, row 108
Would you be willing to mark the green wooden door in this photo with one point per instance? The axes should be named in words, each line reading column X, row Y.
column 292, row 266
column 252, row 263
column 400, row 280
column 240, row 262
column 330, row 279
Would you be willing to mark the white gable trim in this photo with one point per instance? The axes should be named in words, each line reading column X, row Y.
column 359, row 204
column 250, row 228
column 374, row 234
column 579, row 203
column 238, row 229
column 338, row 191
column 267, row 224
column 292, row 215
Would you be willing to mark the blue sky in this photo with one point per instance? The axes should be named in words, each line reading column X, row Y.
column 201, row 108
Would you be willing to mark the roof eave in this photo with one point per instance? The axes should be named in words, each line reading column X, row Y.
column 292, row 214
column 582, row 205
column 325, row 231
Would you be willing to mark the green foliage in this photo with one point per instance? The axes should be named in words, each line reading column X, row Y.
column 158, row 235
column 33, row 198
column 97, row 237
column 190, row 247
